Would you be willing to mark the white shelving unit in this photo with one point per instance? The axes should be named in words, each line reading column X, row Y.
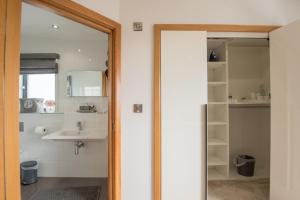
column 216, row 141
column 216, row 161
column 217, row 113
column 230, row 75
column 216, row 173
column 249, row 104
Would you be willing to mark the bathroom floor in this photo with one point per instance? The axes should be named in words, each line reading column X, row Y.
column 239, row 190
column 66, row 188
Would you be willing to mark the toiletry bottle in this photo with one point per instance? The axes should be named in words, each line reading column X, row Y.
column 262, row 90
column 213, row 56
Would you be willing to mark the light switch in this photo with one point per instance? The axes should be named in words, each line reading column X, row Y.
column 137, row 108
column 138, row 26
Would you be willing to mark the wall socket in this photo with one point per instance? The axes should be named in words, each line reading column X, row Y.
column 137, row 108
column 21, row 126
column 137, row 26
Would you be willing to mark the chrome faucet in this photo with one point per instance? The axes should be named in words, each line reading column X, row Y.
column 78, row 145
column 79, row 125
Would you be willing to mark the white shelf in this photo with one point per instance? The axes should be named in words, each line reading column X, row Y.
column 216, row 141
column 216, row 123
column 214, row 174
column 217, row 73
column 217, row 113
column 217, row 92
column 250, row 104
column 215, row 161
column 217, row 64
column 217, row 103
column 216, row 83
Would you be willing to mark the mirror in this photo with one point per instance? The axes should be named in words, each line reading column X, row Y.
column 86, row 84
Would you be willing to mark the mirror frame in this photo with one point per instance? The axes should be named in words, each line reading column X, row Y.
column 10, row 22
column 158, row 28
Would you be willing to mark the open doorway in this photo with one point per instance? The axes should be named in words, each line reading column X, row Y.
column 63, row 108
column 65, row 85
column 238, row 125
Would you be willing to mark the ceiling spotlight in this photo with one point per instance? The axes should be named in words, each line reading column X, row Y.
column 55, row 26
column 79, row 50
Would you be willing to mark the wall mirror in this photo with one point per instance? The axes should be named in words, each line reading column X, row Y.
column 86, row 84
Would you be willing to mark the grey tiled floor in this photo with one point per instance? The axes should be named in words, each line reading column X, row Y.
column 28, row 191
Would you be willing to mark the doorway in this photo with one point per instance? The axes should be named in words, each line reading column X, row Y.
column 10, row 68
column 238, row 125
column 168, row 161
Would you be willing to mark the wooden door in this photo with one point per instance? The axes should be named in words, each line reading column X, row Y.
column 285, row 112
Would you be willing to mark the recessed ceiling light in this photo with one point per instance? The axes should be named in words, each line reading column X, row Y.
column 55, row 26
column 79, row 50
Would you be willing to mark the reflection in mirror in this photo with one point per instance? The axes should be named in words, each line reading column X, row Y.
column 86, row 83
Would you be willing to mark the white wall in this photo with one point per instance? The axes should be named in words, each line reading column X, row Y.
column 249, row 67
column 137, row 67
column 57, row 159
column 108, row 8
column 250, row 135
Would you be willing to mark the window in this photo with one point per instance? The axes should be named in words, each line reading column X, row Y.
column 39, row 86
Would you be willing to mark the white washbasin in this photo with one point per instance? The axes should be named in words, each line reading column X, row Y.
column 75, row 135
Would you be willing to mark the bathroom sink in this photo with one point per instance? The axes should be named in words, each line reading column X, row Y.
column 72, row 133
column 75, row 135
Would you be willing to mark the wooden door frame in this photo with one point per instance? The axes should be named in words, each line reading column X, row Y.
column 10, row 23
column 158, row 28
column 2, row 52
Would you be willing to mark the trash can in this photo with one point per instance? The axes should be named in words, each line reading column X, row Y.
column 245, row 165
column 29, row 172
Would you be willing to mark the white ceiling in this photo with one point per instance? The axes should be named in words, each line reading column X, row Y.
column 37, row 22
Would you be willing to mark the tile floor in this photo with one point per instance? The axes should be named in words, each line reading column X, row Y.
column 239, row 190
column 28, row 191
